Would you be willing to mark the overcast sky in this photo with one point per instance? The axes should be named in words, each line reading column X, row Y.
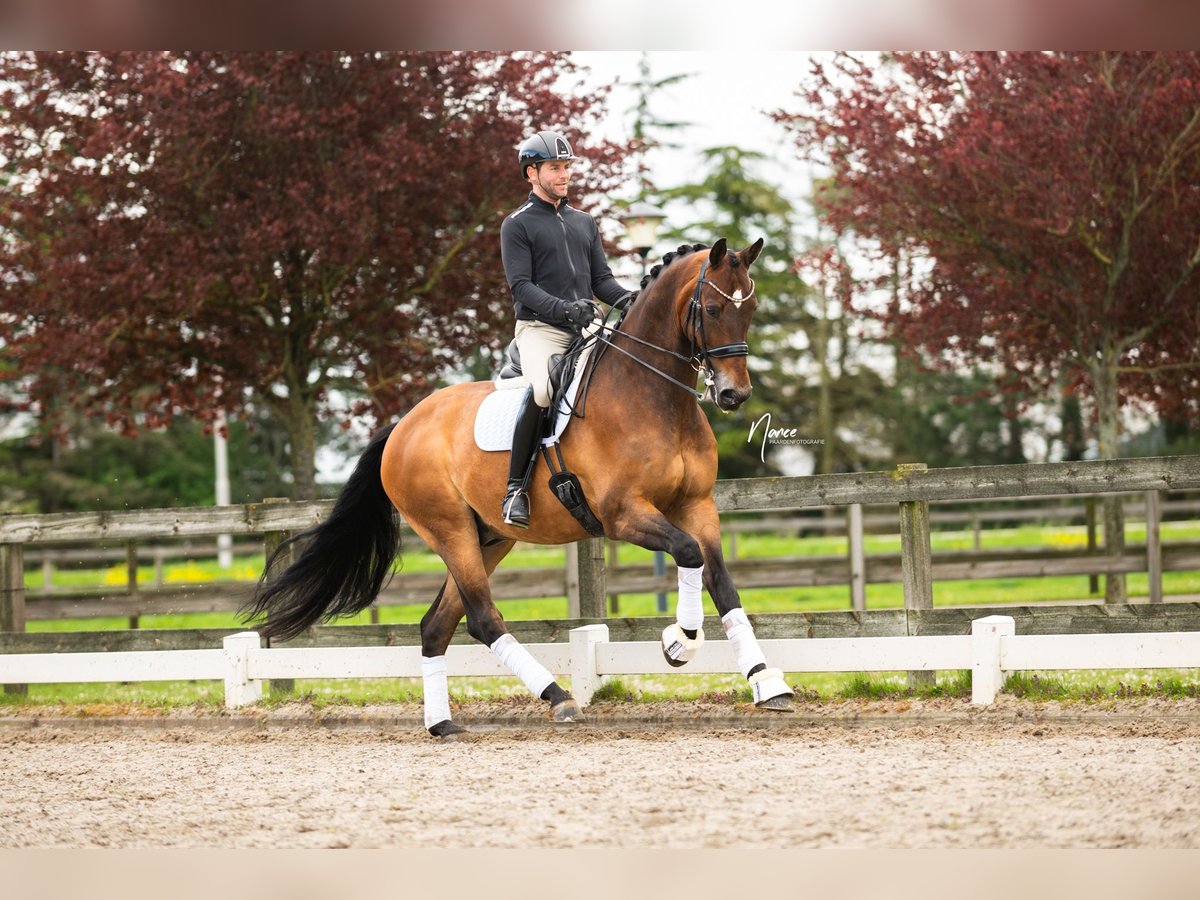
column 727, row 101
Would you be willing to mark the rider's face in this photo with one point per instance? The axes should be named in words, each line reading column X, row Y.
column 551, row 179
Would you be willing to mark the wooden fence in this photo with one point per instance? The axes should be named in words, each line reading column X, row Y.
column 856, row 569
column 910, row 489
column 134, row 599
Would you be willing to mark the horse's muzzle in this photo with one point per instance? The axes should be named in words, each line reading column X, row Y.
column 729, row 399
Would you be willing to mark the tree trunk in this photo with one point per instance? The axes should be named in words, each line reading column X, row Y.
column 1015, row 448
column 1072, row 437
column 301, row 428
column 1109, row 415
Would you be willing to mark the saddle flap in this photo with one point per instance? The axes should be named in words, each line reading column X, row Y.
column 557, row 367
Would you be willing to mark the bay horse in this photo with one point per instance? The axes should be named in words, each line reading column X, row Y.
column 644, row 454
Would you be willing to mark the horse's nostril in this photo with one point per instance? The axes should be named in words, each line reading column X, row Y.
column 729, row 397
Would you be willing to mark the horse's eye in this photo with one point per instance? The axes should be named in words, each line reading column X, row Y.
column 713, row 311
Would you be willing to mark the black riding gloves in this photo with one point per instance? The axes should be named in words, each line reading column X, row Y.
column 580, row 313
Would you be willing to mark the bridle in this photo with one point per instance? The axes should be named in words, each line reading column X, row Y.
column 702, row 354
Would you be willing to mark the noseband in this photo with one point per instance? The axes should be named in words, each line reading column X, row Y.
column 702, row 354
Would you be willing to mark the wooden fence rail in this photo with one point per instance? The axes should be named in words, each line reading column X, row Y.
column 1165, row 473
column 852, row 490
column 910, row 488
column 509, row 584
column 519, row 583
column 1047, row 619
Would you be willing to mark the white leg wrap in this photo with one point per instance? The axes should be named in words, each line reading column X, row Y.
column 741, row 634
column 689, row 610
column 767, row 684
column 521, row 663
column 678, row 645
column 437, row 694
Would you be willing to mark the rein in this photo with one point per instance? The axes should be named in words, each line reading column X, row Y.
column 701, row 352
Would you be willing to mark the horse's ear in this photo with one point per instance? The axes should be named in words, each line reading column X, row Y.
column 717, row 253
column 750, row 254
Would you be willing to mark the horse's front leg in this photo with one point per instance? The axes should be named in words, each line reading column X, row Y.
column 640, row 522
column 701, row 521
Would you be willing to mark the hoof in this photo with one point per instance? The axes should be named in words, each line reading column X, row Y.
column 673, row 662
column 782, row 703
column 446, row 730
column 677, row 648
column 567, row 711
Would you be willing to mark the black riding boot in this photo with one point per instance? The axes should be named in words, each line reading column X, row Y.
column 526, row 435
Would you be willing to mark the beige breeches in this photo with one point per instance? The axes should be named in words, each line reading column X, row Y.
column 537, row 342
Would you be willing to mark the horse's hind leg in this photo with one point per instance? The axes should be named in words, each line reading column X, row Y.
column 437, row 629
column 459, row 549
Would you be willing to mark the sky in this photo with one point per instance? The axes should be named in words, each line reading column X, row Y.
column 727, row 100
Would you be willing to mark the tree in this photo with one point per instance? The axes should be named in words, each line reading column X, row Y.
column 201, row 231
column 645, row 121
column 1056, row 200
column 849, row 407
column 103, row 469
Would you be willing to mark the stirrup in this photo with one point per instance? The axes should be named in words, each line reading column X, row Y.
column 512, row 510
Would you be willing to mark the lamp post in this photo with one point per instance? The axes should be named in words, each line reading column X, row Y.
column 221, row 454
column 642, row 221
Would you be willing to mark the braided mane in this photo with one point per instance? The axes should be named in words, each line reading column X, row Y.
column 681, row 250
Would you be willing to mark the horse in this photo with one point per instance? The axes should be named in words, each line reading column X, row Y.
column 644, row 455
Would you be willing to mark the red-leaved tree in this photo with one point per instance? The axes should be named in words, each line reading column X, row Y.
column 193, row 232
column 1056, row 200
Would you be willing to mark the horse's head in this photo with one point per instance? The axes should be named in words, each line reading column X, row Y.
column 715, row 313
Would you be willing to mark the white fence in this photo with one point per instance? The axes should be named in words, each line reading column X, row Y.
column 991, row 651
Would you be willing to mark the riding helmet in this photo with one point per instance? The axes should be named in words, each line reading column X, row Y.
column 543, row 146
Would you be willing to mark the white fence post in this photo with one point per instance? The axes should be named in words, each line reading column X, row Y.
column 986, row 675
column 585, row 680
column 240, row 690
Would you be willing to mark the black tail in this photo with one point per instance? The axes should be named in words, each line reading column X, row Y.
column 344, row 561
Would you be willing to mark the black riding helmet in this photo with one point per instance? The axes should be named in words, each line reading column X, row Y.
column 543, row 146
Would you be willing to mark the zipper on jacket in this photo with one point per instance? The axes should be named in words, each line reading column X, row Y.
column 567, row 247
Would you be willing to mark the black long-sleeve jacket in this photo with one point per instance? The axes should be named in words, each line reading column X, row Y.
column 553, row 255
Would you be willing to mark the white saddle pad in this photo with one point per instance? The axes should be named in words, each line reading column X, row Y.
column 497, row 415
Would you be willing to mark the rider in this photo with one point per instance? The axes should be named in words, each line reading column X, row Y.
column 555, row 265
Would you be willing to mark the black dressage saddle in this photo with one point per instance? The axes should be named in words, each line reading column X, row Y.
column 562, row 368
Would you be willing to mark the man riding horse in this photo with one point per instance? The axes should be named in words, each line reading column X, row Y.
column 691, row 319
column 555, row 264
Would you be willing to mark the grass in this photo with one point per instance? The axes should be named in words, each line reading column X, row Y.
column 894, row 686
column 1084, row 686
column 1102, row 686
